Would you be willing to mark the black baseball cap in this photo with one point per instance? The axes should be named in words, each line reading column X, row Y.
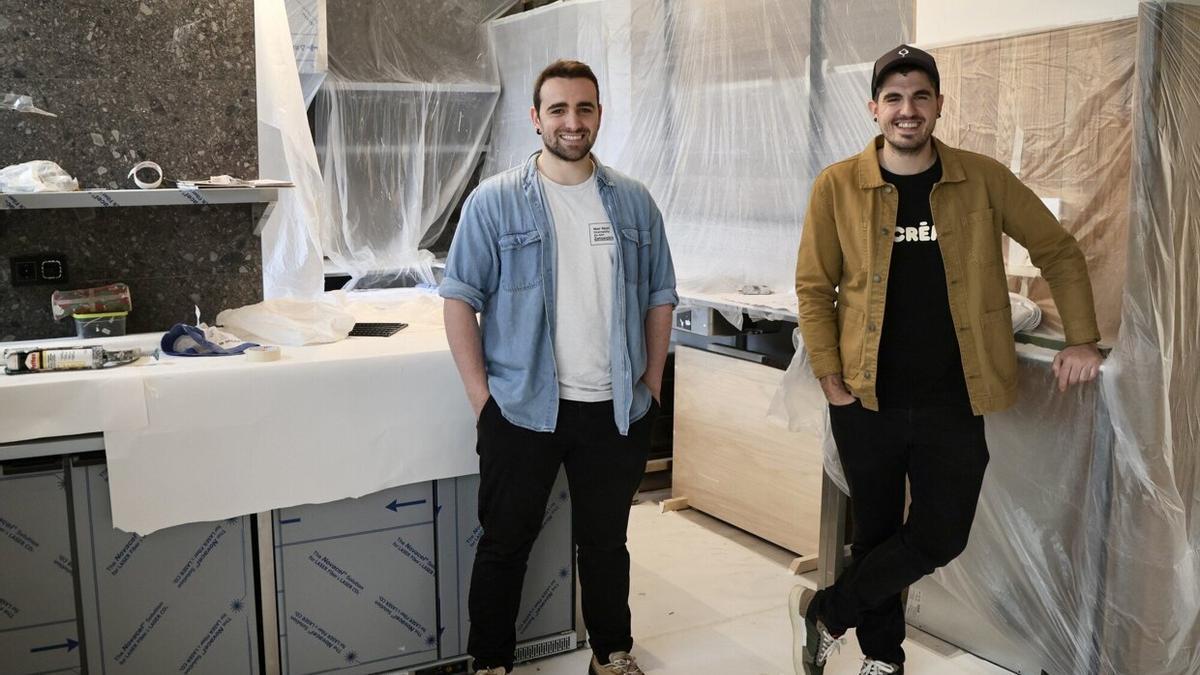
column 905, row 55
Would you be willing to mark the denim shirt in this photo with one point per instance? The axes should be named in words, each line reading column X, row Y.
column 502, row 263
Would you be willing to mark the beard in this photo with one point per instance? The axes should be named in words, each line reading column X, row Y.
column 908, row 145
column 570, row 154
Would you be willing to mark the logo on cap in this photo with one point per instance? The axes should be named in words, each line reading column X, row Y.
column 903, row 52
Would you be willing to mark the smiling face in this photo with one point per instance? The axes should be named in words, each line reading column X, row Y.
column 907, row 109
column 569, row 117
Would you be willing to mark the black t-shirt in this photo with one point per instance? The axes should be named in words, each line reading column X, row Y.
column 919, row 360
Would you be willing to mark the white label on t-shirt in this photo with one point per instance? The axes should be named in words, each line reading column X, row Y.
column 602, row 234
column 923, row 232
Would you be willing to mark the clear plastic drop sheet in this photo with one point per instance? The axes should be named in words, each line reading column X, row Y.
column 400, row 122
column 307, row 21
column 291, row 247
column 1151, row 619
column 593, row 31
column 708, row 103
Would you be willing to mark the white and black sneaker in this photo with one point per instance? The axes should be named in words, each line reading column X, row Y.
column 619, row 663
column 874, row 667
column 812, row 643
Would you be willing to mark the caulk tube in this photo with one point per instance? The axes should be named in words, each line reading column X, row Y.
column 18, row 361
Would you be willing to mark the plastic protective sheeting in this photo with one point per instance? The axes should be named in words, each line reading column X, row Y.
column 1028, row 591
column 400, row 123
column 291, row 245
column 592, row 31
column 1151, row 622
column 307, row 20
column 708, row 103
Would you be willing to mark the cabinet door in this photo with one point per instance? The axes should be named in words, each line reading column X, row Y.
column 38, row 631
column 356, row 582
column 731, row 461
column 179, row 600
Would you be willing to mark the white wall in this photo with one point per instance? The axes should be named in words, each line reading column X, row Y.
column 942, row 22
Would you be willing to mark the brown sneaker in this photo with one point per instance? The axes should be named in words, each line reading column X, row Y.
column 619, row 663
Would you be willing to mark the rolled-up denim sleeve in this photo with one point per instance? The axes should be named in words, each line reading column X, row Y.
column 473, row 265
column 662, row 269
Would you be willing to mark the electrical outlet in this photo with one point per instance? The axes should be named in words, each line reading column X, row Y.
column 40, row 269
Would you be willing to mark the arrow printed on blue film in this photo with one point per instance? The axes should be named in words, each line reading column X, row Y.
column 69, row 645
column 395, row 506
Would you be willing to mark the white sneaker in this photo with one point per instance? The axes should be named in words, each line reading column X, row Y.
column 492, row 671
column 873, row 667
column 619, row 663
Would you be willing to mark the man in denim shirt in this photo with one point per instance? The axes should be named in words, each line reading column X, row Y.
column 566, row 263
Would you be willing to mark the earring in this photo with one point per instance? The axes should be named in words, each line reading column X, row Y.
column 875, row 118
column 539, row 132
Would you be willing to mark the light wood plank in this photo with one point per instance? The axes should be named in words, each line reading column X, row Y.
column 673, row 504
column 802, row 564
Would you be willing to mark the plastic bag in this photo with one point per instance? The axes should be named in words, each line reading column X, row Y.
column 291, row 321
column 40, row 175
column 98, row 300
column 1026, row 313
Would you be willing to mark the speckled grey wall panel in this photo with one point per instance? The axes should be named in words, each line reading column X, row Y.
column 172, row 258
column 172, row 81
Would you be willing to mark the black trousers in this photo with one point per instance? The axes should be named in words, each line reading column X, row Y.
column 943, row 454
column 517, row 469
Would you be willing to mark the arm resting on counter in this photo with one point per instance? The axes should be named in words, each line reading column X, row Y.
column 1076, row 364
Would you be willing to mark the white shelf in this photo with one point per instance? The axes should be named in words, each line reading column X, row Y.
column 91, row 199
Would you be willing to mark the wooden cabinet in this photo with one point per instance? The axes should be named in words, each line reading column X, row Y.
column 732, row 462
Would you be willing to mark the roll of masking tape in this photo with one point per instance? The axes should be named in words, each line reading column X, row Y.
column 263, row 354
column 151, row 167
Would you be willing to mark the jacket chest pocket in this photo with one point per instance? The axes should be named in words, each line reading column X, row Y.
column 635, row 254
column 983, row 239
column 520, row 261
column 986, row 259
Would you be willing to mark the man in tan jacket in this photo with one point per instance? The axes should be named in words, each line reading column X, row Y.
column 905, row 314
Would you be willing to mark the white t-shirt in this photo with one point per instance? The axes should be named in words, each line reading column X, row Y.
column 583, row 305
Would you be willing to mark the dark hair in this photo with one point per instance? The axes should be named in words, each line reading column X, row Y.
column 905, row 70
column 563, row 68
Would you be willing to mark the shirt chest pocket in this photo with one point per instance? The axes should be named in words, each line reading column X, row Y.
column 520, row 261
column 635, row 254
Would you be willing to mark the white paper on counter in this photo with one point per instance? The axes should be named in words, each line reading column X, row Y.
column 45, row 405
column 228, row 438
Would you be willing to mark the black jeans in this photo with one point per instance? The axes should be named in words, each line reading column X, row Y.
column 943, row 453
column 517, row 469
